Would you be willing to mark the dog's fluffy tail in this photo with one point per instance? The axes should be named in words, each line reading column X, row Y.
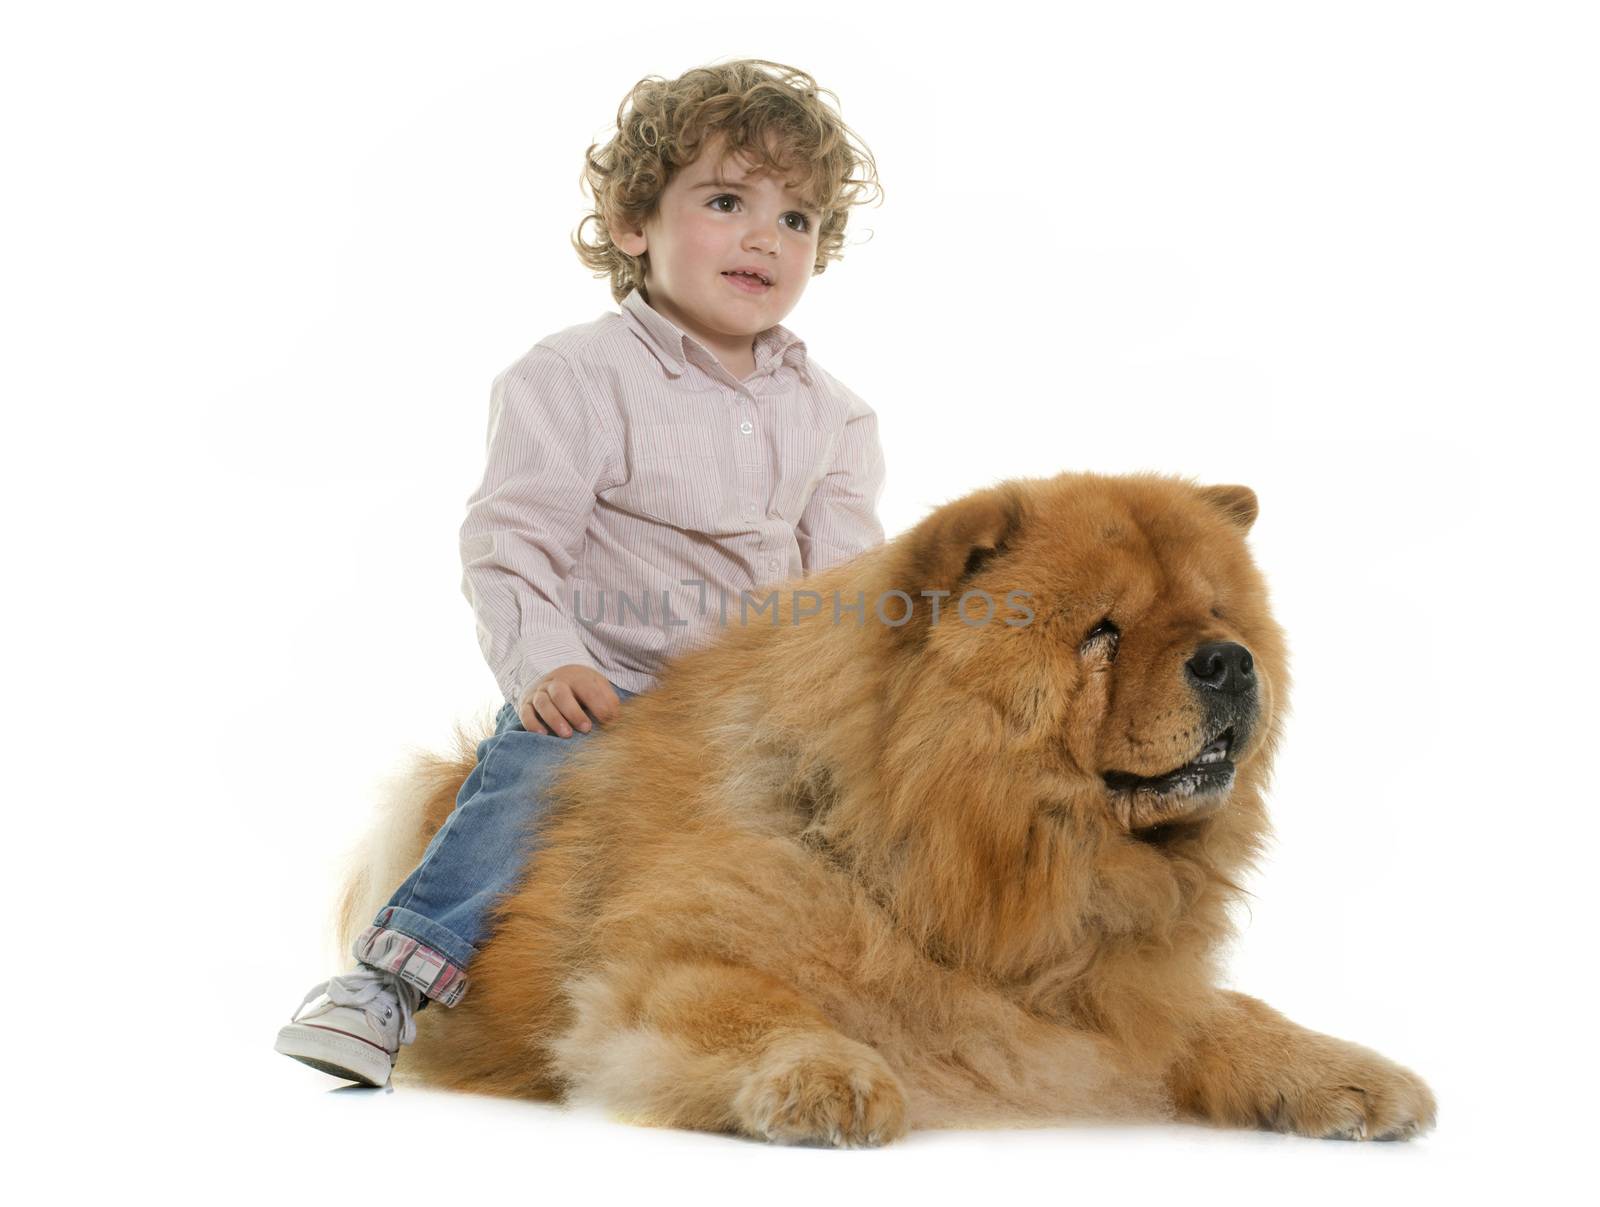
column 412, row 805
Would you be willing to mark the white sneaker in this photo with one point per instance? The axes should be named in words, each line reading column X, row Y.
column 355, row 1026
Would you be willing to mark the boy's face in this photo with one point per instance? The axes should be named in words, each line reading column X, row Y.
column 715, row 217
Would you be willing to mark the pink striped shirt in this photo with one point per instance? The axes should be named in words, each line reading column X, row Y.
column 623, row 460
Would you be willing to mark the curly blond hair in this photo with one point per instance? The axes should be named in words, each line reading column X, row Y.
column 769, row 113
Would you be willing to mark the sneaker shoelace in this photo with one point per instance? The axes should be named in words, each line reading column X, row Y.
column 367, row 990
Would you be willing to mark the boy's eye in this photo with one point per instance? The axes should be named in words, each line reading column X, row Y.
column 805, row 223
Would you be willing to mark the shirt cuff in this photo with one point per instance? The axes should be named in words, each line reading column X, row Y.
column 536, row 654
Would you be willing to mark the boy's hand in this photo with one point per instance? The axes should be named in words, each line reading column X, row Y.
column 557, row 700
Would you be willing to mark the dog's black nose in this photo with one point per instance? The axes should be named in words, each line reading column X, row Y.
column 1223, row 666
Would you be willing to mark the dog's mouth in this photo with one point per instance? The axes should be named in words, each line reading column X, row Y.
column 1143, row 801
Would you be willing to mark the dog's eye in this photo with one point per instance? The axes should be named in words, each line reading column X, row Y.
column 1102, row 639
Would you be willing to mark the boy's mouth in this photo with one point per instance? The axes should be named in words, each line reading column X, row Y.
column 749, row 282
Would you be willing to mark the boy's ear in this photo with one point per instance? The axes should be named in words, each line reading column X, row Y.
column 631, row 241
column 626, row 236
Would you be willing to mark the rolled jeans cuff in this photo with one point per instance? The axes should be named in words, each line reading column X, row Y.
column 414, row 949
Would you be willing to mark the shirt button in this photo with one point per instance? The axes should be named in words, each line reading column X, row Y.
column 747, row 427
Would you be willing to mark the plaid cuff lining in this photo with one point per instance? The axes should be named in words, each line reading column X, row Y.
column 413, row 962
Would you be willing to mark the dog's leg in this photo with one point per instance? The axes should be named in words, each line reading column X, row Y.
column 1249, row 1066
column 713, row 1046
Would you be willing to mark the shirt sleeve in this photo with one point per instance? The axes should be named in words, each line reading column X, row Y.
column 525, row 524
column 841, row 518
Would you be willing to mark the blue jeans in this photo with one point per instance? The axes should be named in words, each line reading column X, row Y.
column 431, row 928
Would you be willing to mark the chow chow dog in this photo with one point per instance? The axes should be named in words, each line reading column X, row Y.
column 948, row 836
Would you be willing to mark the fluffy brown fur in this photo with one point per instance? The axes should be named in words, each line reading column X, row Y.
column 829, row 881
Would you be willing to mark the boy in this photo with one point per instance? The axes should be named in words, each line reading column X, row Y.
column 685, row 444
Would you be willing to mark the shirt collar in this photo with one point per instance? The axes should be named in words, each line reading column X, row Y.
column 775, row 346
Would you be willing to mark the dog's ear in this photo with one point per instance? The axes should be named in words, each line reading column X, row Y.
column 947, row 548
column 1238, row 503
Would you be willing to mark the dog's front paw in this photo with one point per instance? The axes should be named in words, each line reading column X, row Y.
column 1351, row 1093
column 820, row 1089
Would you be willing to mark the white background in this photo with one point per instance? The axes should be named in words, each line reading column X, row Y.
column 262, row 262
